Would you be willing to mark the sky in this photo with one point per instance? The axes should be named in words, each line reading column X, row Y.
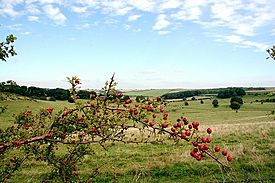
column 147, row 43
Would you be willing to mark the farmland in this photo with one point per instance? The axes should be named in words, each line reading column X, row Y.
column 248, row 134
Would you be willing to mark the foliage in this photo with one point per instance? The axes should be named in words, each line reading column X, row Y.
column 231, row 92
column 52, row 99
column 140, row 98
column 236, row 99
column 37, row 93
column 271, row 52
column 38, row 137
column 215, row 103
column 235, row 106
column 7, row 48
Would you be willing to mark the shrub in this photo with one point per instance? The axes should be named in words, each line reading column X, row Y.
column 37, row 137
column 186, row 103
column 52, row 99
column 215, row 103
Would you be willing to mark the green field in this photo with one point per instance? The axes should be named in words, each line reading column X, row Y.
column 151, row 92
column 249, row 135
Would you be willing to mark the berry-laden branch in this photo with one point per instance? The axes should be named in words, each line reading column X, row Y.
column 102, row 119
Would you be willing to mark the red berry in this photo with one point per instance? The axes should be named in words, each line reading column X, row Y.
column 178, row 124
column 183, row 136
column 120, row 94
column 173, row 129
column 229, row 158
column 195, row 124
column 146, row 121
column 48, row 135
column 27, row 127
column 161, row 110
column 199, row 158
column 190, row 127
column 205, row 147
column 136, row 105
column 175, row 133
column 224, row 152
column 201, row 147
column 195, row 143
column 187, row 133
column 151, row 124
column 50, row 109
column 185, row 120
column 203, row 139
column 217, row 148
column 77, row 81
column 115, row 95
column 164, row 125
column 128, row 101
column 208, row 140
column 209, row 130
column 154, row 116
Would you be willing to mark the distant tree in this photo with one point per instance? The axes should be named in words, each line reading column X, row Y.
column 7, row 48
column 71, row 100
column 140, row 98
column 201, row 102
column 193, row 98
column 236, row 99
column 215, row 103
column 186, row 103
column 235, row 106
column 231, row 92
column 84, row 94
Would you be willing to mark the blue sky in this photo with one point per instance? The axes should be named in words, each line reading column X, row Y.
column 147, row 43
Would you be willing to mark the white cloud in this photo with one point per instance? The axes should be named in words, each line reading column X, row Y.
column 239, row 41
column 144, row 5
column 14, row 27
column 54, row 14
column 161, row 22
column 123, row 11
column 79, row 10
column 133, row 18
column 9, row 10
column 33, row 18
column 32, row 9
column 193, row 13
column 234, row 39
column 170, row 4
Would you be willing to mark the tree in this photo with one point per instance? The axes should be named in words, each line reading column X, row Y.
column 215, row 103
column 235, row 106
column 236, row 99
column 7, row 48
column 97, row 121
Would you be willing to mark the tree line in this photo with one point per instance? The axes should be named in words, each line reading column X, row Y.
column 220, row 92
column 41, row 93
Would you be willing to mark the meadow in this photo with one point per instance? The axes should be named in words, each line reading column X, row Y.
column 248, row 134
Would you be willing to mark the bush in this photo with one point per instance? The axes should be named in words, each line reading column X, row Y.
column 235, row 106
column 186, row 103
column 52, row 99
column 71, row 100
column 236, row 99
column 215, row 103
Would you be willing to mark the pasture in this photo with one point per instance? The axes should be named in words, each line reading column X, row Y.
column 249, row 135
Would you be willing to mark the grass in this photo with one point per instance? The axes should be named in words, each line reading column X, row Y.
column 249, row 135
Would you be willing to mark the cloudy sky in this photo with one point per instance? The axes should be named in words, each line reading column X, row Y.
column 147, row 43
